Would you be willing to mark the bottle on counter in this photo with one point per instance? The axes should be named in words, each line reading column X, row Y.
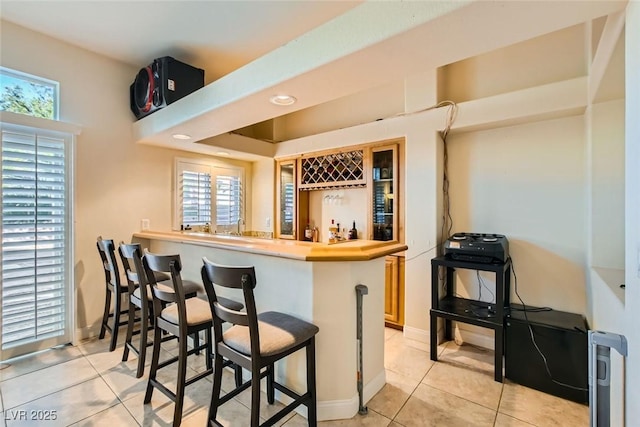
column 353, row 233
column 308, row 232
column 315, row 234
column 333, row 231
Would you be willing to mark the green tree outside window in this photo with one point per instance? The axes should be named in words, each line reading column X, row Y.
column 25, row 94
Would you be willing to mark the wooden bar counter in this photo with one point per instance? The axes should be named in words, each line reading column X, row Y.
column 315, row 282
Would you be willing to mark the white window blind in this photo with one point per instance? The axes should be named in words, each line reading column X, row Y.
column 208, row 193
column 35, row 211
column 196, row 197
column 228, row 200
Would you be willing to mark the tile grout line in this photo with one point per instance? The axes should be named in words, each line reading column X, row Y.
column 55, row 391
column 499, row 402
column 121, row 402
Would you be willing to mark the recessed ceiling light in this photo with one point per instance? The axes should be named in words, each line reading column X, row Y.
column 282, row 99
column 222, row 153
column 181, row 136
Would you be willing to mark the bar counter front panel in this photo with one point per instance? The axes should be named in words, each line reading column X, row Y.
column 315, row 282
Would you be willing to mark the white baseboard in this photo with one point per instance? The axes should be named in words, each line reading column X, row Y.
column 374, row 386
column 460, row 334
column 475, row 338
column 416, row 334
column 86, row 333
column 340, row 409
column 346, row 409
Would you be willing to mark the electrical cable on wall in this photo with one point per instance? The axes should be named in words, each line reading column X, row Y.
column 447, row 220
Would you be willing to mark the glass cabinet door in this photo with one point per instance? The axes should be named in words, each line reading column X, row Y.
column 286, row 212
column 384, row 168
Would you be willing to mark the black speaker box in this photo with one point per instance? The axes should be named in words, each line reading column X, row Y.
column 161, row 83
column 562, row 338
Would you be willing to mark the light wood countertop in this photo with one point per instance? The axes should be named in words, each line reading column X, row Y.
column 353, row 250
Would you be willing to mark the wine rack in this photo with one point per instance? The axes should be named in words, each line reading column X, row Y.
column 334, row 170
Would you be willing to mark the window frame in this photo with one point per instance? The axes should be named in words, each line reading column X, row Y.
column 30, row 78
column 215, row 169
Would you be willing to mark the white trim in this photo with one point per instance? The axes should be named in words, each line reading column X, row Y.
column 55, row 126
column 85, row 333
column 462, row 335
column 613, row 28
column 340, row 409
column 70, row 149
column 416, row 334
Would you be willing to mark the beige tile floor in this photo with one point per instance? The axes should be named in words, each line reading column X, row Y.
column 89, row 386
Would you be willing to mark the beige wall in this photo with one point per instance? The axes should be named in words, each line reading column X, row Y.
column 261, row 214
column 364, row 107
column 527, row 182
column 345, row 207
column 546, row 59
column 117, row 182
column 607, row 185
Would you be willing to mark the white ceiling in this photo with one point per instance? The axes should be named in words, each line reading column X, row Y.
column 317, row 50
column 217, row 36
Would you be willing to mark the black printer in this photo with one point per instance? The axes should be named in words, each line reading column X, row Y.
column 477, row 247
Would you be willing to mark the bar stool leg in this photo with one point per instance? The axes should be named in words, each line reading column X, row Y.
column 144, row 336
column 312, row 413
column 127, row 340
column 209, row 341
column 157, row 339
column 217, row 385
column 238, row 374
column 105, row 315
column 196, row 342
column 182, row 372
column 270, row 387
column 255, row 397
column 116, row 321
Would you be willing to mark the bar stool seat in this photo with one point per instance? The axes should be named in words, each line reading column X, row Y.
column 278, row 332
column 198, row 312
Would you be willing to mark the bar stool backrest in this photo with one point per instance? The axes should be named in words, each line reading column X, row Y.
column 236, row 278
column 162, row 295
column 106, row 249
column 127, row 254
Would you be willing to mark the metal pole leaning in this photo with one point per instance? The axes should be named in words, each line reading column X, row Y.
column 360, row 291
column 600, row 345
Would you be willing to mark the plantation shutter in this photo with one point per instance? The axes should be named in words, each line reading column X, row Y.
column 228, row 199
column 36, row 277
column 208, row 193
column 195, row 187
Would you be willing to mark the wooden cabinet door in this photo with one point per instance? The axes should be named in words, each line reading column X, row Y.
column 394, row 291
column 391, row 290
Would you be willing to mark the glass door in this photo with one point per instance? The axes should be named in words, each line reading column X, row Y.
column 286, row 211
column 35, row 247
column 384, row 162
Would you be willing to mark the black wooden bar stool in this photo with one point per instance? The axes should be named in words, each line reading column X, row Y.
column 113, row 287
column 256, row 341
column 178, row 316
column 141, row 298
